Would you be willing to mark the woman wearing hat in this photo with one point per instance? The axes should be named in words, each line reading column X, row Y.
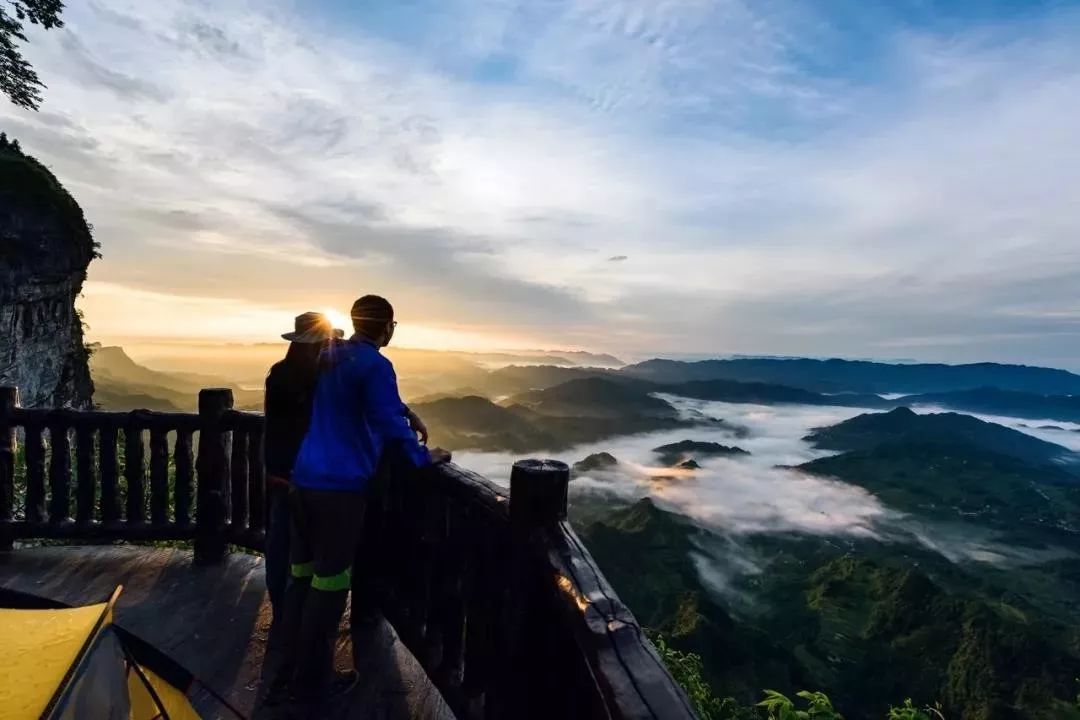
column 290, row 387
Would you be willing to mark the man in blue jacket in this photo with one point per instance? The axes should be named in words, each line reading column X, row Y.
column 357, row 418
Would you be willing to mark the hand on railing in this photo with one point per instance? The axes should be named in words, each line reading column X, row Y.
column 439, row 456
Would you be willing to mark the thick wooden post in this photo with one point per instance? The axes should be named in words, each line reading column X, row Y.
column 538, row 498
column 212, row 469
column 9, row 400
column 538, row 493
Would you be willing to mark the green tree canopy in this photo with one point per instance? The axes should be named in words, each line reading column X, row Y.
column 17, row 76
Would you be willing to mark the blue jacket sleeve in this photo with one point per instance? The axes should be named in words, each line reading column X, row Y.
column 387, row 415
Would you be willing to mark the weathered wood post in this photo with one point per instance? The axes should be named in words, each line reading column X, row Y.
column 212, row 470
column 538, row 498
column 538, row 491
column 9, row 400
column 59, row 472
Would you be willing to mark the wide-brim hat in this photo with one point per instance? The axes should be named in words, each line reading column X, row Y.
column 312, row 327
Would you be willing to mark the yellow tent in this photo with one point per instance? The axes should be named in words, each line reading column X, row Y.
column 74, row 663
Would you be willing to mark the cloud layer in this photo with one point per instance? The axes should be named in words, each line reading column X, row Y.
column 739, row 497
column 772, row 177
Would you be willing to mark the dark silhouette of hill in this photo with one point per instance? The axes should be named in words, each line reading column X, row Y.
column 515, row 379
column 462, row 392
column 902, row 425
column 120, row 383
column 569, row 414
column 995, row 401
column 861, row 376
column 595, row 397
column 111, row 395
column 678, row 452
column 596, row 461
column 769, row 394
column 476, row 423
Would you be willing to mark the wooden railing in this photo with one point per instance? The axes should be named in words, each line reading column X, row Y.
column 136, row 475
column 499, row 600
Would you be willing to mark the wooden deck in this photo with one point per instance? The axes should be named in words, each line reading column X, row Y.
column 214, row 620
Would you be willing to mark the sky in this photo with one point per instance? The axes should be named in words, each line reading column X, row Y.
column 883, row 178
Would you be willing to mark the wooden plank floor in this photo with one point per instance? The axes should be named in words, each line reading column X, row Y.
column 215, row 621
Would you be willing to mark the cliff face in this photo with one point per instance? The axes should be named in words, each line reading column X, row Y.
column 45, row 248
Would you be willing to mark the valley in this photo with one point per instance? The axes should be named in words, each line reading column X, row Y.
column 793, row 539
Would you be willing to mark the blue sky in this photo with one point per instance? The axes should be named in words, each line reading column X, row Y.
column 872, row 179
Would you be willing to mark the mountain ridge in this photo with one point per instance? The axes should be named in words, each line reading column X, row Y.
column 838, row 375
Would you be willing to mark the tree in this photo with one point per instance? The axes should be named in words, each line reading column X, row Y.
column 17, row 76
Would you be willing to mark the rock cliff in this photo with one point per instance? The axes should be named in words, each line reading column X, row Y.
column 45, row 248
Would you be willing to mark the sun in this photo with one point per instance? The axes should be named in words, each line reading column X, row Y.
column 339, row 320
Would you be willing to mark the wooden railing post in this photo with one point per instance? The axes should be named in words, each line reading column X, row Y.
column 9, row 400
column 212, row 470
column 59, row 473
column 538, row 490
column 538, row 499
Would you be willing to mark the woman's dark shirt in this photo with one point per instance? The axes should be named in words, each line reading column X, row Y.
column 287, row 407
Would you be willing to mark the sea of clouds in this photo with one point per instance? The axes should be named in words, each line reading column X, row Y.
column 736, row 497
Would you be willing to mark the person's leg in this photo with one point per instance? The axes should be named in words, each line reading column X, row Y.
column 334, row 541
column 276, row 551
column 300, row 568
column 366, row 580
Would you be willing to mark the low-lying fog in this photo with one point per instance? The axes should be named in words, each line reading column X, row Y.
column 741, row 495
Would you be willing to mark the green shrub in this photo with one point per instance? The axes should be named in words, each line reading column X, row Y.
column 686, row 669
column 780, row 707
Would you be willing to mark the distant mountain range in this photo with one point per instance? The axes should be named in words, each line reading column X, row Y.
column 832, row 376
column 959, row 387
column 427, row 376
column 122, row 384
column 1011, row 403
column 574, row 412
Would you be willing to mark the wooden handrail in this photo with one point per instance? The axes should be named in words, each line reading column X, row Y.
column 491, row 590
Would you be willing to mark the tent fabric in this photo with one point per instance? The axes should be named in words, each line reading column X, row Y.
column 144, row 706
column 74, row 664
column 38, row 650
column 98, row 688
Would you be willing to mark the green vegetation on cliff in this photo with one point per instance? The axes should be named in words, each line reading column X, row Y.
column 869, row 623
column 31, row 187
column 902, row 425
column 958, row 481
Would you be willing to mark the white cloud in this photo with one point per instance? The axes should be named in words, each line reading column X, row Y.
column 764, row 207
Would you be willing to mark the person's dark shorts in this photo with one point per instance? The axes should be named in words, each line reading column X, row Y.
column 326, row 529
